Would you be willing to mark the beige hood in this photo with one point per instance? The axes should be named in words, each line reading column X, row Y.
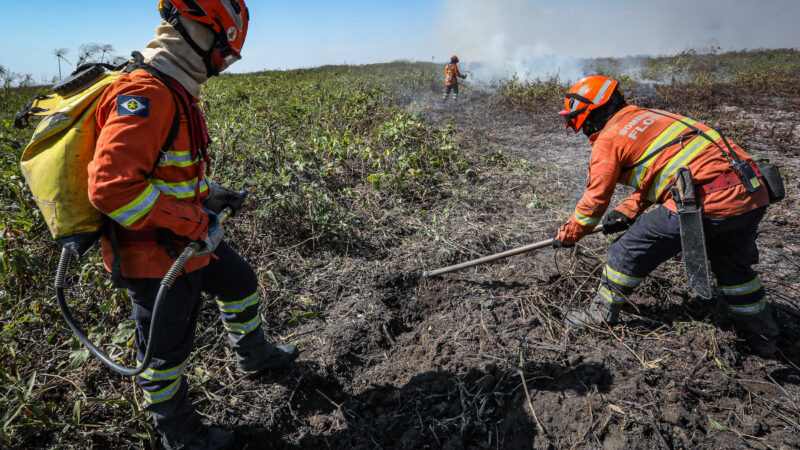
column 171, row 54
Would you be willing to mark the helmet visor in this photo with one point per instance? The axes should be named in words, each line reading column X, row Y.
column 570, row 118
column 229, row 60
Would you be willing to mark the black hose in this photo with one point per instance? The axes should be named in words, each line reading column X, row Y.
column 155, row 320
column 81, row 335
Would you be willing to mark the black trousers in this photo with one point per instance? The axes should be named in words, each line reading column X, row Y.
column 655, row 237
column 453, row 88
column 233, row 283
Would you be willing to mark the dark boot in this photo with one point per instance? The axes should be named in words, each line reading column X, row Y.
column 759, row 331
column 195, row 436
column 255, row 355
column 597, row 314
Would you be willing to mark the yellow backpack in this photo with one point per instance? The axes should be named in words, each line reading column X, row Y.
column 55, row 161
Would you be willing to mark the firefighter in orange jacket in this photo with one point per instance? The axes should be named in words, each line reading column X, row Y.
column 643, row 148
column 159, row 200
column 451, row 76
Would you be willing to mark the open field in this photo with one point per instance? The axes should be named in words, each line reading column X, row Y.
column 360, row 179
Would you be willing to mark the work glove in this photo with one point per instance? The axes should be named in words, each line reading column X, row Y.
column 219, row 198
column 464, row 77
column 558, row 243
column 615, row 221
column 213, row 237
column 562, row 238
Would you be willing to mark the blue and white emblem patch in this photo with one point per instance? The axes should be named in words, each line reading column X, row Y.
column 132, row 105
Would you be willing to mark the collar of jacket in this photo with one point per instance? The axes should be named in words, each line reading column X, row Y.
column 172, row 55
column 616, row 117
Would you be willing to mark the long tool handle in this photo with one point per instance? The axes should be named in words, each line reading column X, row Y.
column 155, row 320
column 495, row 257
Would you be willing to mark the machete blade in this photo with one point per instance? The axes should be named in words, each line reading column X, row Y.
column 695, row 259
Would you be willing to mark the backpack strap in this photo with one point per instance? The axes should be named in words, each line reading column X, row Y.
column 730, row 155
column 661, row 149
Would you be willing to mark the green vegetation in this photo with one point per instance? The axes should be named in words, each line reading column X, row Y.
column 711, row 66
column 307, row 142
column 350, row 192
column 732, row 76
column 314, row 147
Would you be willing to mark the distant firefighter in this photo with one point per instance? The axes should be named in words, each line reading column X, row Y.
column 451, row 79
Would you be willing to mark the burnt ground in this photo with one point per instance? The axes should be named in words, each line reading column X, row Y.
column 479, row 359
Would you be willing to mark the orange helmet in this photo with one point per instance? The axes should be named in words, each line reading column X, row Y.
column 585, row 96
column 227, row 19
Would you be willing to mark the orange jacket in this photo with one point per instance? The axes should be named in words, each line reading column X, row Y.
column 631, row 135
column 450, row 74
column 137, row 186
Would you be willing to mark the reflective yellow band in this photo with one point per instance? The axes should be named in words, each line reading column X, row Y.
column 670, row 133
column 177, row 159
column 620, row 278
column 610, row 295
column 243, row 328
column 754, row 308
column 164, row 374
column 182, row 189
column 135, row 210
column 585, row 220
column 743, row 289
column 684, row 157
column 238, row 305
column 163, row 394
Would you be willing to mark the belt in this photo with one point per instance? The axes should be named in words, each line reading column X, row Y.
column 726, row 181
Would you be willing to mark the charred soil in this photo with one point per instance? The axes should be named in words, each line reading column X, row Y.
column 480, row 359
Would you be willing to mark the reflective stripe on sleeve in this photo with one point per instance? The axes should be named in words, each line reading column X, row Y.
column 586, row 221
column 162, row 395
column 684, row 157
column 164, row 374
column 754, row 308
column 135, row 210
column 243, row 328
column 238, row 305
column 620, row 278
column 743, row 289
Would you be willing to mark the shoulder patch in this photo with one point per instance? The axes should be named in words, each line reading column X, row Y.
column 132, row 105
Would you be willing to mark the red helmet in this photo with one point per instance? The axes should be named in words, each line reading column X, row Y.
column 227, row 19
column 454, row 59
column 584, row 97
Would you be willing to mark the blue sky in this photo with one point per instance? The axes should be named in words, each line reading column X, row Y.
column 304, row 33
column 283, row 34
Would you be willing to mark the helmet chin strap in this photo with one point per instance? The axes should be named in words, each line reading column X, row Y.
column 171, row 15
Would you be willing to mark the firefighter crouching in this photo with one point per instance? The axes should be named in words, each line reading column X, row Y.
column 643, row 149
column 451, row 76
column 160, row 200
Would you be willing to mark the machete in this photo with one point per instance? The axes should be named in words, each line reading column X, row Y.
column 693, row 242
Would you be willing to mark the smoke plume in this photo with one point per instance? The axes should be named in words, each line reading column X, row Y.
column 543, row 38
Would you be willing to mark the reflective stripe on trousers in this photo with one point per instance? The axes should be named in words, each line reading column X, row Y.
column 230, row 280
column 655, row 237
